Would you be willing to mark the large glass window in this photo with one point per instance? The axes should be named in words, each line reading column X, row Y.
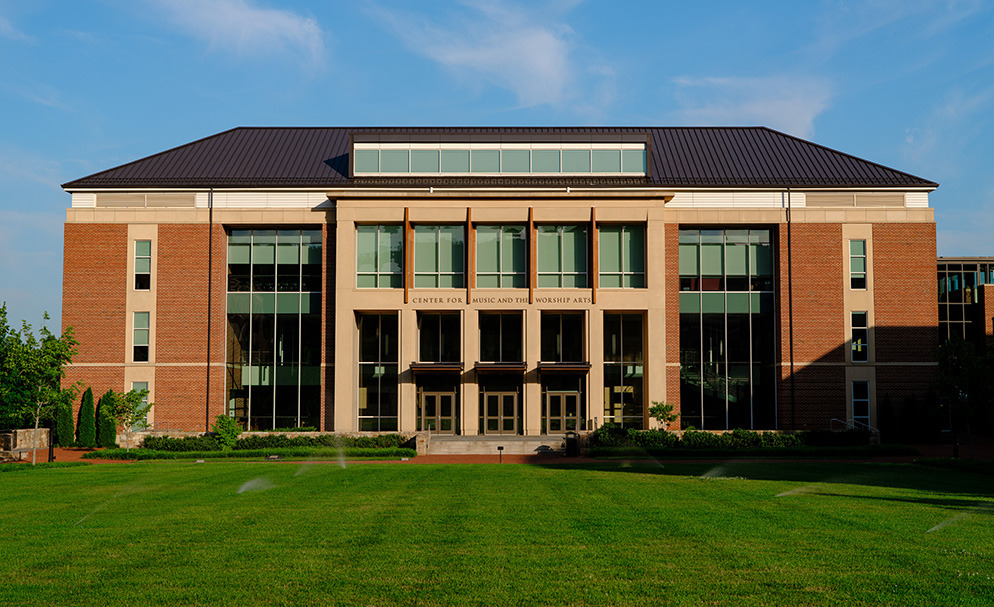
column 500, row 337
column 379, row 256
column 501, row 257
column 439, row 252
column 861, row 403
column 562, row 337
column 857, row 264
column 141, row 337
column 274, row 328
column 622, row 256
column 440, row 334
column 860, row 337
column 562, row 256
column 377, row 372
column 623, row 370
column 143, row 265
column 727, row 329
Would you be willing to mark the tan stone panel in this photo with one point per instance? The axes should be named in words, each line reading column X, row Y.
column 438, row 214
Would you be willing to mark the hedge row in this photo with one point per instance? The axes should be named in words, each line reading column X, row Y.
column 614, row 436
column 321, row 452
column 210, row 442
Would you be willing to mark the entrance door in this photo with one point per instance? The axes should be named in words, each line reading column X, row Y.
column 500, row 411
column 436, row 412
column 561, row 411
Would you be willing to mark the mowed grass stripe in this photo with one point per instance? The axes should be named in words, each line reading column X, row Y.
column 607, row 534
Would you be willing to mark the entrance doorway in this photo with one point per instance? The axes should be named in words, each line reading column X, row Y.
column 500, row 410
column 437, row 412
column 561, row 412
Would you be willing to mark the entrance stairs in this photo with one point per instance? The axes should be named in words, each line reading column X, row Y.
column 442, row 444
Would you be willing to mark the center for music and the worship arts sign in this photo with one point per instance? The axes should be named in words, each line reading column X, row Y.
column 501, row 299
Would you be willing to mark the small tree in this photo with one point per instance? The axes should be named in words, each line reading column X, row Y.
column 227, row 431
column 106, row 425
column 64, row 427
column 87, row 427
column 662, row 413
column 129, row 411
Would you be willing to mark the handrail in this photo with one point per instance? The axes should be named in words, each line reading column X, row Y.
column 852, row 425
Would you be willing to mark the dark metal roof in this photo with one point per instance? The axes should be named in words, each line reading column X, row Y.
column 261, row 157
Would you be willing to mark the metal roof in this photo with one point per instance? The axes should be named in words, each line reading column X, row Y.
column 305, row 157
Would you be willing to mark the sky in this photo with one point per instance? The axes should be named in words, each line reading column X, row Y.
column 86, row 85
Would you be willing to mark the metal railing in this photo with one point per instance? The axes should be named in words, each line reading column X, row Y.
column 837, row 425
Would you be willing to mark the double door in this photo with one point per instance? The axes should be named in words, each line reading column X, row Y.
column 562, row 410
column 437, row 412
column 500, row 411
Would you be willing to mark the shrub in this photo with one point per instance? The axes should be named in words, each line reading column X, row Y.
column 64, row 430
column 106, row 426
column 187, row 443
column 86, row 428
column 697, row 439
column 227, row 431
column 609, row 435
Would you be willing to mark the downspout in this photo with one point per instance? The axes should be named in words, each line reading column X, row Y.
column 210, row 302
column 790, row 317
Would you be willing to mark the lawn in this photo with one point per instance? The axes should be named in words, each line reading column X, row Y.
column 744, row 533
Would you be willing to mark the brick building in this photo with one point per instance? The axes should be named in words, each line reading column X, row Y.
column 524, row 281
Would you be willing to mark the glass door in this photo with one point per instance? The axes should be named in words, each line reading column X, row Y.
column 562, row 411
column 436, row 412
column 500, row 412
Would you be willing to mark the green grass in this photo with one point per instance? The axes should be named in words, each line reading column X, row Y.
column 606, row 534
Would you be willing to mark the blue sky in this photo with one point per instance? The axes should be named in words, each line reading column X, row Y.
column 88, row 85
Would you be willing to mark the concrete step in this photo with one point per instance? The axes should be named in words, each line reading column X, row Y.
column 487, row 445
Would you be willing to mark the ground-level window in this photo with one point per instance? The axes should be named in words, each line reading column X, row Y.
column 562, row 337
column 379, row 256
column 860, row 337
column 501, row 257
column 439, row 337
column 139, row 386
column 378, row 355
column 141, row 337
column 501, row 337
column 861, row 403
column 727, row 329
column 624, row 370
column 621, row 256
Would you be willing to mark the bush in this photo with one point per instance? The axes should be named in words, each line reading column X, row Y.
column 86, row 428
column 227, row 430
column 64, row 430
column 309, row 452
column 106, row 426
column 187, row 443
column 698, row 439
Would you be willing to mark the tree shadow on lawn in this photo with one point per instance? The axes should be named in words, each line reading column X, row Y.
column 896, row 476
column 981, row 507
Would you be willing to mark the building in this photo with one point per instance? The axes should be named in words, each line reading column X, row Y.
column 966, row 299
column 503, row 280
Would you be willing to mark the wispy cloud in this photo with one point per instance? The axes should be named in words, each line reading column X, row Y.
column 247, row 30
column 941, row 136
column 42, row 95
column 783, row 102
column 7, row 30
column 527, row 51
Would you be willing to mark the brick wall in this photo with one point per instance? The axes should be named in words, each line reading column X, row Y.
column 672, row 298
column 987, row 313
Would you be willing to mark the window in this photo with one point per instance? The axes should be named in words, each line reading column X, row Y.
column 562, row 337
column 622, row 256
column 623, row 370
column 377, row 372
column 500, row 337
column 141, row 333
column 861, row 403
column 860, row 337
column 439, row 334
column 562, row 256
column 273, row 366
column 501, row 257
column 139, row 386
column 143, row 265
column 857, row 264
column 379, row 256
column 439, row 252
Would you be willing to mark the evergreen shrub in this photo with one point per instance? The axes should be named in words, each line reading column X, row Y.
column 64, row 430
column 86, row 429
column 106, row 426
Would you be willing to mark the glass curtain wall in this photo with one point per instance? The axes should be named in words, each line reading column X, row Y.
column 960, row 312
column 501, row 257
column 562, row 256
column 621, row 256
column 273, row 367
column 624, row 370
column 439, row 253
column 378, row 356
column 727, row 329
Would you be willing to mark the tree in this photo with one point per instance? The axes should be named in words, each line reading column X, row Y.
column 64, row 427
column 106, row 426
column 129, row 411
column 31, row 372
column 662, row 413
column 86, row 429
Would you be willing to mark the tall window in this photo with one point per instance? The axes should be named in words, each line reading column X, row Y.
column 562, row 256
column 728, row 370
column 860, row 337
column 861, row 403
column 439, row 335
column 377, row 372
column 439, row 252
column 623, row 370
column 857, row 264
column 273, row 364
column 500, row 337
column 501, row 257
column 141, row 335
column 138, row 386
column 379, row 256
column 622, row 256
column 143, row 265
column 562, row 337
